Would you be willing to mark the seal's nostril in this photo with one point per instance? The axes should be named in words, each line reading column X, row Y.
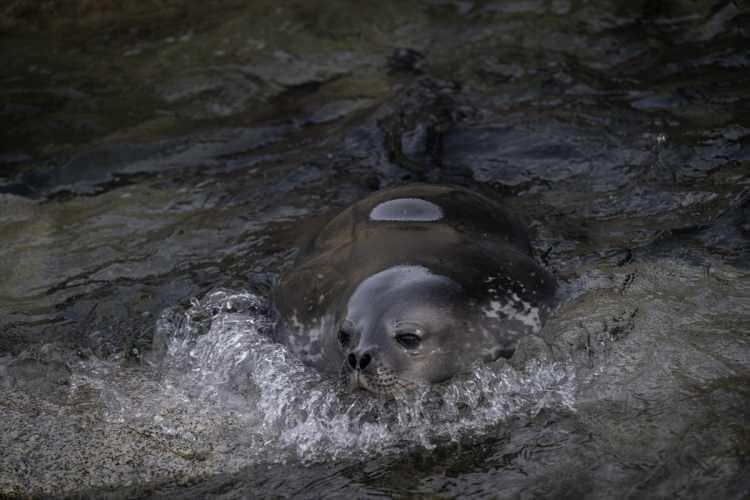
column 353, row 360
column 364, row 361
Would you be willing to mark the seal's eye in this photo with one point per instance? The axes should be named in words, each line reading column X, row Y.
column 408, row 340
column 344, row 337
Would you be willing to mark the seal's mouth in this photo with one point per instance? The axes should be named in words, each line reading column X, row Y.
column 358, row 380
column 382, row 382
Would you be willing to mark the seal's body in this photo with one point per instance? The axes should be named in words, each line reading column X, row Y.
column 412, row 285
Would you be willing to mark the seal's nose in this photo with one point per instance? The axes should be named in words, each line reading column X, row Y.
column 362, row 360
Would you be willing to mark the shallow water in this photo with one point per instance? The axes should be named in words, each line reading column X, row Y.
column 163, row 160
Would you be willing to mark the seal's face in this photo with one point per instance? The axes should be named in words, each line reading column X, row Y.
column 404, row 326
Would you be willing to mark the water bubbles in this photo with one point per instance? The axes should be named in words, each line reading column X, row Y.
column 220, row 351
column 216, row 395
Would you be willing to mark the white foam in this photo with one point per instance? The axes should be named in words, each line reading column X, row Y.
column 229, row 392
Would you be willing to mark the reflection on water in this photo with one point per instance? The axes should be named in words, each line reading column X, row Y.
column 161, row 157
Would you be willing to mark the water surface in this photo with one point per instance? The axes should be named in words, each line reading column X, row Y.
column 161, row 163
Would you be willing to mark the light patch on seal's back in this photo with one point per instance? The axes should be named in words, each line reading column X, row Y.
column 406, row 210
column 515, row 309
column 307, row 340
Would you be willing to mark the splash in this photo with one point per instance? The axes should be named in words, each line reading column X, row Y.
column 219, row 360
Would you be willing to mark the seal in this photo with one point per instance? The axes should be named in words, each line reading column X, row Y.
column 412, row 285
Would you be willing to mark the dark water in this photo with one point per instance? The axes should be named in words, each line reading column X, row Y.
column 160, row 161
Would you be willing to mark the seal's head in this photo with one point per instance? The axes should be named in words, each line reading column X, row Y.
column 405, row 326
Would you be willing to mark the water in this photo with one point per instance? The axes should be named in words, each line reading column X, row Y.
column 162, row 161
